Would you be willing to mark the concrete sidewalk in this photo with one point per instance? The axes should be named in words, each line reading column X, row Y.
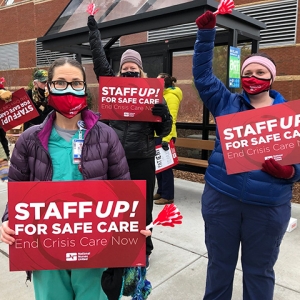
column 178, row 263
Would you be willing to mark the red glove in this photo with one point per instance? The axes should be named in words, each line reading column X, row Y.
column 206, row 21
column 272, row 167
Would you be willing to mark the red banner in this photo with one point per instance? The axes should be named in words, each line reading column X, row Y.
column 130, row 99
column 78, row 224
column 18, row 111
column 250, row 137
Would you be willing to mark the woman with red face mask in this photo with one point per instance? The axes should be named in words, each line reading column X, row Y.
column 250, row 209
column 70, row 145
column 137, row 137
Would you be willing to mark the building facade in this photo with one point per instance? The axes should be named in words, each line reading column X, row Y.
column 281, row 40
column 22, row 22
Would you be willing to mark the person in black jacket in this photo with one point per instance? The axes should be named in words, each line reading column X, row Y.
column 4, row 147
column 37, row 95
column 137, row 138
column 4, row 156
column 4, row 142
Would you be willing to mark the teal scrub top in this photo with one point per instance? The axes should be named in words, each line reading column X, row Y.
column 61, row 153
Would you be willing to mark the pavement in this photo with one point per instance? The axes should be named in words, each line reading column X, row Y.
column 179, row 260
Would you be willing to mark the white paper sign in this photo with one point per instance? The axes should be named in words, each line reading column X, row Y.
column 165, row 159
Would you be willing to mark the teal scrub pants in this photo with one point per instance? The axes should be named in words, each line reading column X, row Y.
column 77, row 284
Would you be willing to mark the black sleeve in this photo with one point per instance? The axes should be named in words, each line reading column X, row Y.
column 101, row 64
column 163, row 128
column 4, row 142
column 111, row 282
column 5, row 214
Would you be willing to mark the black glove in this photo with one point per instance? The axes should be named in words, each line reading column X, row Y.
column 165, row 146
column 92, row 24
column 161, row 110
column 111, row 281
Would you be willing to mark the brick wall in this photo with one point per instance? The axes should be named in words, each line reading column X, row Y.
column 22, row 23
column 286, row 59
column 132, row 39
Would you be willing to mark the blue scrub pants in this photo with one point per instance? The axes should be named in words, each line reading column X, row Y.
column 259, row 230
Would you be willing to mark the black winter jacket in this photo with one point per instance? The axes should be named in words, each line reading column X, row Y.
column 42, row 114
column 137, row 138
column 4, row 142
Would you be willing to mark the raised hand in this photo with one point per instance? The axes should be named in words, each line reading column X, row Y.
column 206, row 21
column 92, row 24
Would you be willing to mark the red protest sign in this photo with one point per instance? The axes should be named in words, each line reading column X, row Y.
column 18, row 111
column 78, row 224
column 250, row 137
column 130, row 99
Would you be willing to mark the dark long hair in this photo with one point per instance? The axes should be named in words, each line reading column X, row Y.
column 169, row 80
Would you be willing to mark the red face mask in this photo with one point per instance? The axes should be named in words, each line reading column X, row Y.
column 253, row 85
column 67, row 104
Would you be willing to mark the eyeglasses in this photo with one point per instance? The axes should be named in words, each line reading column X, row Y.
column 62, row 85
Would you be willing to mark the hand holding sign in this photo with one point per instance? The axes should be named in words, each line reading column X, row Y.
column 272, row 167
column 165, row 146
column 5, row 95
column 7, row 233
column 161, row 110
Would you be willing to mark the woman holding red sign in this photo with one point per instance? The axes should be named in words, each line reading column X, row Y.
column 137, row 137
column 46, row 152
column 251, row 209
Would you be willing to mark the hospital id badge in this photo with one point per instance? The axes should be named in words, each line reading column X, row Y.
column 77, row 149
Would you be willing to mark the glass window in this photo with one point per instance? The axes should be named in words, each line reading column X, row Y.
column 75, row 15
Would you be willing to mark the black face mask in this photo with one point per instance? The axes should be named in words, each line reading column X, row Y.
column 41, row 92
column 131, row 74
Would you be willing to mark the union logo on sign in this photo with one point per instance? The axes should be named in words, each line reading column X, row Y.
column 71, row 256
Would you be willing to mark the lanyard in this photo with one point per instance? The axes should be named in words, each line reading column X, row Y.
column 81, row 126
column 78, row 144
